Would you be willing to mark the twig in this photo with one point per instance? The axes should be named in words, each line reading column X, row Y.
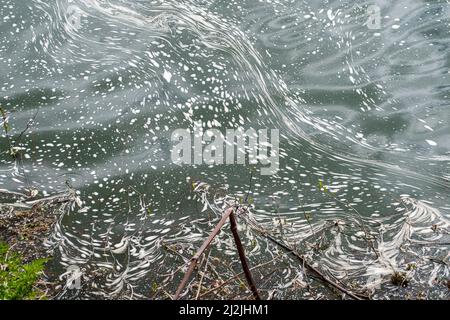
column 249, row 188
column 240, row 248
column 5, row 125
column 12, row 193
column 202, row 276
column 242, row 283
column 266, row 277
column 315, row 270
column 367, row 237
column 238, row 275
column 200, row 251
column 28, row 126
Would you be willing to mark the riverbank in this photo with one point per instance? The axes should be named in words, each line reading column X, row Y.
column 25, row 223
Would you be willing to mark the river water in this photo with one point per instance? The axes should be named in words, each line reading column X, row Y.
column 361, row 108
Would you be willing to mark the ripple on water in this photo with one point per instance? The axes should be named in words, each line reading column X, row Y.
column 365, row 111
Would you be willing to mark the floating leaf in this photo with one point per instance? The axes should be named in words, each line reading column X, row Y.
column 320, row 184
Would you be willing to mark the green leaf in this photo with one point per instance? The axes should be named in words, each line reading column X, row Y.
column 17, row 279
column 320, row 184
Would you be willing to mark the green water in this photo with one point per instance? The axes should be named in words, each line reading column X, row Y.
column 364, row 110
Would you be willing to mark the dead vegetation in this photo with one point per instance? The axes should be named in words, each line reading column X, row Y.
column 26, row 221
column 295, row 269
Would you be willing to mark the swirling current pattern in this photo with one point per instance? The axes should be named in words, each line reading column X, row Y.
column 364, row 111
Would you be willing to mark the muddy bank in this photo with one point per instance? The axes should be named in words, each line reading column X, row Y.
column 25, row 223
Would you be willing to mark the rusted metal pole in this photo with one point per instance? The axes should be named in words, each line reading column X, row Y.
column 200, row 251
column 240, row 248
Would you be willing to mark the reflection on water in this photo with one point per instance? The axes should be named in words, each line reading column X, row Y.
column 363, row 110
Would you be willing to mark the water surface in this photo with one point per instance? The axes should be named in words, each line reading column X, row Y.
column 365, row 111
